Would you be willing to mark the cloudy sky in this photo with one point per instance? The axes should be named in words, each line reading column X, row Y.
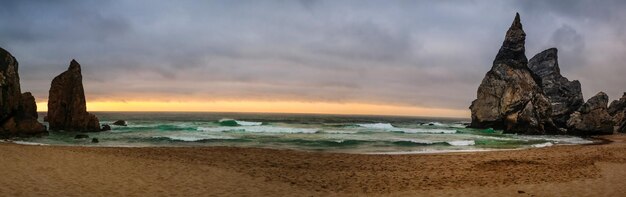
column 415, row 54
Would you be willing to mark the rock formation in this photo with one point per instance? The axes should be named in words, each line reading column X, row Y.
column 565, row 96
column 592, row 118
column 67, row 108
column 509, row 96
column 18, row 112
column 105, row 127
column 120, row 123
column 617, row 109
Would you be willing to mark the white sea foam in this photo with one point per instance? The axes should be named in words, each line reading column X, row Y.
column 29, row 143
column 242, row 123
column 417, row 141
column 258, row 129
column 339, row 131
column 457, row 125
column 558, row 139
column 246, row 123
column 542, row 145
column 376, row 125
column 462, row 143
column 194, row 138
column 435, row 131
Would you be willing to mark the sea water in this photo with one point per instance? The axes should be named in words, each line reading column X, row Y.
column 307, row 132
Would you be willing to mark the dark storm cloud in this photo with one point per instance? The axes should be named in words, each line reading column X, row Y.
column 420, row 53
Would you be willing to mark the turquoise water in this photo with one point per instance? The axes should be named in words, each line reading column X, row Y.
column 333, row 133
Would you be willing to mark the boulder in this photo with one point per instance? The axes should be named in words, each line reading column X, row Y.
column 66, row 103
column 592, row 118
column 95, row 140
column 120, row 123
column 18, row 112
column 509, row 96
column 617, row 110
column 106, row 127
column 27, row 116
column 565, row 96
column 28, row 106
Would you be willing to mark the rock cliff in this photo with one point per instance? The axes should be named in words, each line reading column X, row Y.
column 565, row 96
column 592, row 118
column 18, row 112
column 509, row 96
column 66, row 103
column 617, row 109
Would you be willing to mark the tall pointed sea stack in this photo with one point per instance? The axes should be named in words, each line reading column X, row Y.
column 509, row 96
column 67, row 108
column 565, row 96
column 18, row 112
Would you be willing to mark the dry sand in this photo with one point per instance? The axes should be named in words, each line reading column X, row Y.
column 577, row 170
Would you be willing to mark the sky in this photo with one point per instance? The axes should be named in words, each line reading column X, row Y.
column 423, row 58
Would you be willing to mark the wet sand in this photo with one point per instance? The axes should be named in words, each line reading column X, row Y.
column 574, row 170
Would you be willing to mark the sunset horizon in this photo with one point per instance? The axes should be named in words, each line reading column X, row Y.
column 297, row 107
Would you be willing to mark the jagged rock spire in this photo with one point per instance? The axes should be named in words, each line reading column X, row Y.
column 74, row 65
column 564, row 95
column 509, row 96
column 512, row 51
column 67, row 108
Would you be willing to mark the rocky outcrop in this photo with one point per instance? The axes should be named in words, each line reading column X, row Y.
column 18, row 112
column 106, row 127
column 565, row 96
column 617, row 110
column 592, row 118
column 9, row 84
column 120, row 123
column 67, row 108
column 509, row 96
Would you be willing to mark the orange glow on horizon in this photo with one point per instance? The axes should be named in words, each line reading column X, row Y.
column 270, row 107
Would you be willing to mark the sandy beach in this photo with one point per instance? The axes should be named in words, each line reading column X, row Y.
column 574, row 170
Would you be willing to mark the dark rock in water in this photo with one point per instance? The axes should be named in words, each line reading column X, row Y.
column 45, row 118
column 565, row 96
column 18, row 112
column 27, row 115
column 592, row 117
column 431, row 124
column 106, row 127
column 120, row 123
column 509, row 96
column 95, row 140
column 617, row 109
column 28, row 106
column 66, row 103
column 81, row 136
column 25, row 121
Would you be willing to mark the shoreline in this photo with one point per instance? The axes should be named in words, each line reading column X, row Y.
column 594, row 140
column 576, row 170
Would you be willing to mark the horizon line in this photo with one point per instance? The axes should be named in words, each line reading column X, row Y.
column 285, row 107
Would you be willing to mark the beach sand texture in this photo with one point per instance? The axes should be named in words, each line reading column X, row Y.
column 574, row 170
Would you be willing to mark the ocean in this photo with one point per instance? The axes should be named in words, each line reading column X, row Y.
column 307, row 132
